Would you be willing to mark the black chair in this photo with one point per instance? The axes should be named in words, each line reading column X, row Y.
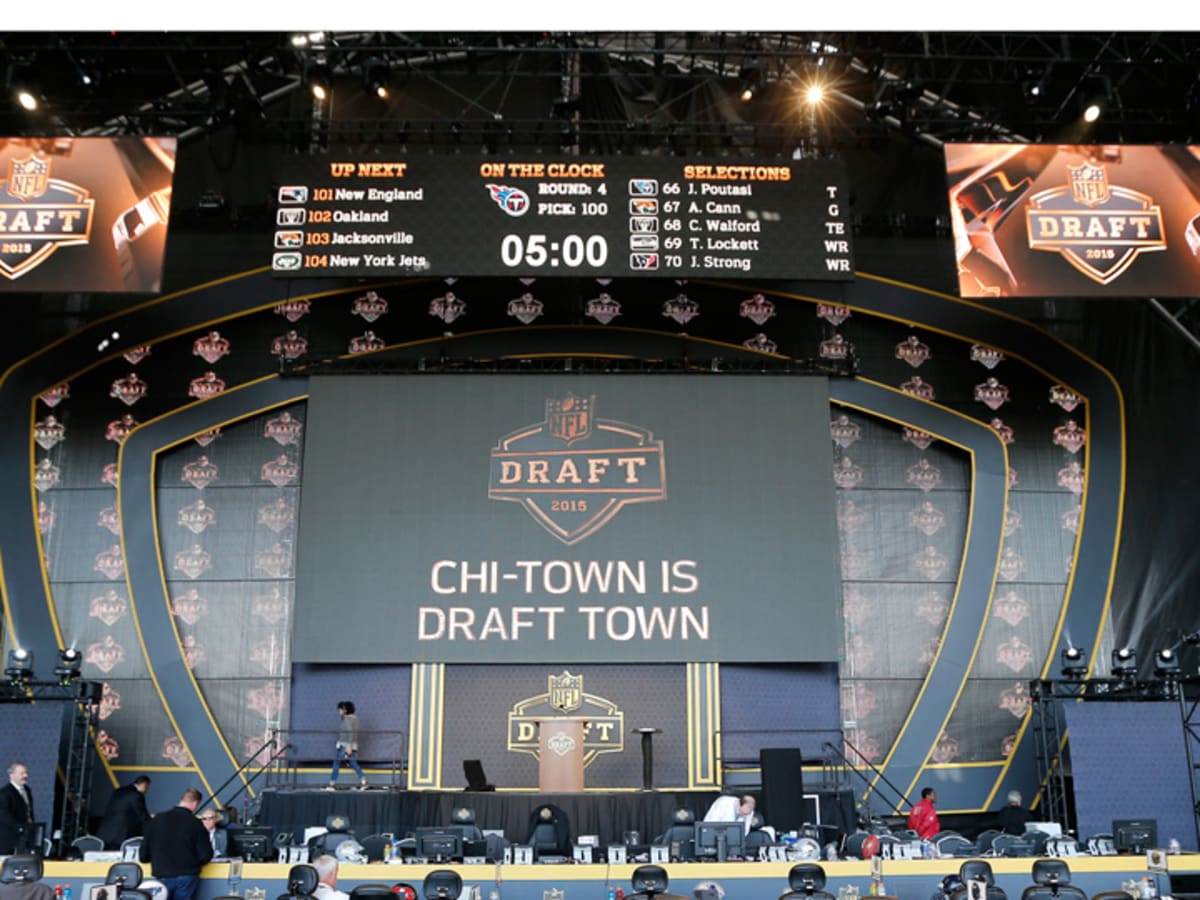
column 87, row 843
column 1052, row 881
column 651, row 883
column 806, row 880
column 372, row 892
column 949, row 844
column 124, row 874
column 462, row 820
column 978, row 870
column 131, row 848
column 337, row 831
column 985, row 839
column 680, row 835
column 442, row 884
column 549, row 832
column 21, row 879
column 756, row 838
column 476, row 780
column 302, row 883
column 1037, row 841
column 377, row 848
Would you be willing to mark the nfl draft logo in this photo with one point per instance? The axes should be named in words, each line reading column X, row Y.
column 1098, row 228
column 39, row 214
column 566, row 691
column 603, row 728
column 573, row 472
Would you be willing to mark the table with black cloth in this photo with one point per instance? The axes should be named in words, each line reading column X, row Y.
column 608, row 815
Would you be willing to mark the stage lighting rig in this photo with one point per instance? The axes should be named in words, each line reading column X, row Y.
column 1166, row 663
column 20, row 666
column 70, row 661
column 1074, row 663
column 1124, row 663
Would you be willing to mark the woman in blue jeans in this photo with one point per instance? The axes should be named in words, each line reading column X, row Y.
column 347, row 746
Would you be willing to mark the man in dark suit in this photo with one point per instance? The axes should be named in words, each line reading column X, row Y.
column 125, row 815
column 16, row 811
column 177, row 847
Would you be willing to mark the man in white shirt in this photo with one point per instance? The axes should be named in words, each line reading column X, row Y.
column 728, row 808
column 327, row 872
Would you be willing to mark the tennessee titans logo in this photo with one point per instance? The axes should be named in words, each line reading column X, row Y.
column 513, row 201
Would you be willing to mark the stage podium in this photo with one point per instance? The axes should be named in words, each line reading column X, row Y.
column 560, row 753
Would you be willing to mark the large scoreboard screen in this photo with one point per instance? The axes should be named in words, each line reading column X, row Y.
column 456, row 216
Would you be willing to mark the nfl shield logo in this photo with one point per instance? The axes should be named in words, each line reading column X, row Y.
column 1089, row 184
column 570, row 419
column 566, row 691
column 28, row 178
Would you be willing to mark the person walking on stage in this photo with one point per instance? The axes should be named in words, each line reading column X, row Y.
column 346, row 750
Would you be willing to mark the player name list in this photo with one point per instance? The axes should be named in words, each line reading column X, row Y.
column 460, row 216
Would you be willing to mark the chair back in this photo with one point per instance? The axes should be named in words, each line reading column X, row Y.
column 131, row 848
column 376, row 847
column 975, row 870
column 372, row 892
column 549, row 830
column 949, row 844
column 806, row 878
column 1050, row 872
column 649, row 880
column 302, row 879
column 985, row 839
column 463, row 819
column 124, row 874
column 17, row 869
column 442, row 884
column 87, row 843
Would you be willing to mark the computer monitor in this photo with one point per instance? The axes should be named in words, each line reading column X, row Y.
column 719, row 840
column 438, row 844
column 1135, row 835
column 250, row 842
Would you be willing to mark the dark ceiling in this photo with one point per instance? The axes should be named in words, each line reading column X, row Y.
column 609, row 91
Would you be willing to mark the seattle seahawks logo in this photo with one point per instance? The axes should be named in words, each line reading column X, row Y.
column 513, row 201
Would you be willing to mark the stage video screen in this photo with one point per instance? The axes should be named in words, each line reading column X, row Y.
column 559, row 518
column 1072, row 220
column 84, row 214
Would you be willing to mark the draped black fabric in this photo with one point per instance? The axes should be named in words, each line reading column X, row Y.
column 607, row 815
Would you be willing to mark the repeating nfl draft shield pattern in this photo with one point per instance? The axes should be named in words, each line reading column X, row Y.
column 162, row 484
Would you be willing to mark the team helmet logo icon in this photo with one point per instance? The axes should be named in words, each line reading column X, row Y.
column 513, row 201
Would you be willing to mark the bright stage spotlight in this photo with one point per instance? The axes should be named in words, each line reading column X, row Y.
column 70, row 661
column 1166, row 663
column 20, row 665
column 1074, row 665
column 1124, row 662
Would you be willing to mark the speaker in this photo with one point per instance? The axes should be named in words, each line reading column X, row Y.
column 782, row 800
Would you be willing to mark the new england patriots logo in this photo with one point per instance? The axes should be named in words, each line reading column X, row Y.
column 513, row 201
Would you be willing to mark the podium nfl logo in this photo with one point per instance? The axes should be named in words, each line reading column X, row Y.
column 566, row 691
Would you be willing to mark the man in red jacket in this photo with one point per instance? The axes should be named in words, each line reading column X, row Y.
column 924, row 819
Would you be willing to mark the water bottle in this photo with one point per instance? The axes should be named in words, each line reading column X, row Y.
column 927, row 849
column 612, row 893
column 66, row 892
